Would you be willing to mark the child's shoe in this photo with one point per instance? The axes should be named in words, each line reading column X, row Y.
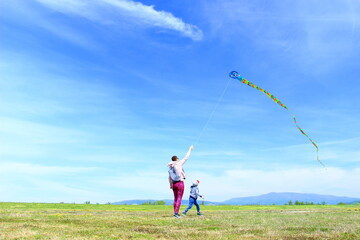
column 184, row 213
column 199, row 214
column 176, row 215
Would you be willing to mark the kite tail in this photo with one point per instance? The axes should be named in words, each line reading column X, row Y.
column 237, row 76
column 317, row 148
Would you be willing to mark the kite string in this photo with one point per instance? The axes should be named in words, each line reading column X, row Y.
column 213, row 111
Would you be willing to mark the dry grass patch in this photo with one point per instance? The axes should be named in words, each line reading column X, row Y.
column 63, row 221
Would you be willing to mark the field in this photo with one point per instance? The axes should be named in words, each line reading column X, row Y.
column 92, row 221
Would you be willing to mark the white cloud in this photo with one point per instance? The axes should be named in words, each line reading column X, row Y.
column 229, row 183
column 104, row 11
column 248, row 182
column 25, row 188
column 238, row 182
column 14, row 168
column 13, row 9
column 303, row 32
column 37, row 132
column 28, row 182
column 141, row 185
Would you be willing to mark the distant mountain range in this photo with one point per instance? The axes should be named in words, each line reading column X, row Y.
column 285, row 197
column 266, row 199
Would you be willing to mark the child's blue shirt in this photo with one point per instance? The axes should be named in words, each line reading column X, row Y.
column 194, row 191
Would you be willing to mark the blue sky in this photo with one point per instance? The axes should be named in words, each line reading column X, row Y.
column 96, row 96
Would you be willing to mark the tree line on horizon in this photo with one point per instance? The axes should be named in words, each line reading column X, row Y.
column 161, row 202
column 304, row 203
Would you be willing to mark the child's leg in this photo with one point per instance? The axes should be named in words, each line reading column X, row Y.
column 197, row 206
column 191, row 203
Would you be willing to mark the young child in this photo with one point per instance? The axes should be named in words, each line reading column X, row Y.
column 194, row 194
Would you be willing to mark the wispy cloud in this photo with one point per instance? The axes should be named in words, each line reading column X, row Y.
column 306, row 33
column 238, row 182
column 36, row 169
column 136, row 183
column 26, row 187
column 114, row 11
column 30, row 16
column 30, row 182
column 246, row 182
column 39, row 133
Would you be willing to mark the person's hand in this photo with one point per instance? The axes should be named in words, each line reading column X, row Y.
column 191, row 147
column 202, row 197
column 170, row 186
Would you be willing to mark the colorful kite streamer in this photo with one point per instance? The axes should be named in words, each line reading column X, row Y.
column 237, row 76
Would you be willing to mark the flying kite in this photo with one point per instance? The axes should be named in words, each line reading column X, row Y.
column 237, row 76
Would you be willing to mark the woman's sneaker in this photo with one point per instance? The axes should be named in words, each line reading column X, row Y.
column 176, row 215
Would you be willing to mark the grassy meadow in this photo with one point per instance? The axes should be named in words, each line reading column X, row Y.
column 95, row 221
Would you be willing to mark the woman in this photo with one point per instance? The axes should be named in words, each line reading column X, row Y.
column 177, row 181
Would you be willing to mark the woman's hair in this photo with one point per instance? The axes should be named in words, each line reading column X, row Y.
column 174, row 158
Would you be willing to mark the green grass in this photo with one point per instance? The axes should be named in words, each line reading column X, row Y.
column 91, row 221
